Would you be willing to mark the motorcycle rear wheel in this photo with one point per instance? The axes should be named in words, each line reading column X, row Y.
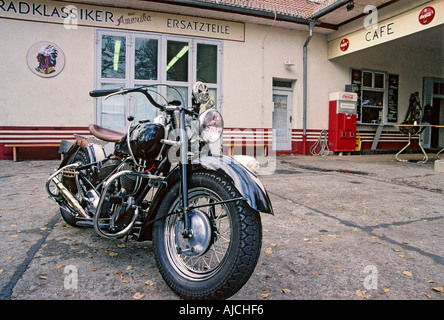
column 71, row 218
column 222, row 253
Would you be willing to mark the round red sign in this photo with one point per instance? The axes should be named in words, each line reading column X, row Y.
column 426, row 15
column 345, row 43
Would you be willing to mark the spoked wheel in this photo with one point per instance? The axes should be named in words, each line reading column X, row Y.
column 220, row 256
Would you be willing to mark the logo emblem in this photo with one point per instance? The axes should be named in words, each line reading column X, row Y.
column 45, row 59
column 426, row 15
column 345, row 43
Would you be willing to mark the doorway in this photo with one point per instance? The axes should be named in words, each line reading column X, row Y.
column 282, row 115
column 433, row 96
column 437, row 136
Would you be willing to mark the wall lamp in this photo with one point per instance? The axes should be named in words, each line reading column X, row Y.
column 350, row 6
column 288, row 63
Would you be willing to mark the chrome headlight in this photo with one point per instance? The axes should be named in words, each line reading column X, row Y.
column 211, row 125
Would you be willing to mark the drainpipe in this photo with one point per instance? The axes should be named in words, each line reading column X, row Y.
column 312, row 24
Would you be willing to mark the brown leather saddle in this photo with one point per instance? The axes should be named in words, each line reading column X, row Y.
column 105, row 133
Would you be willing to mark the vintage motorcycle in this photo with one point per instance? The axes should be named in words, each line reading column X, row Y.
column 162, row 184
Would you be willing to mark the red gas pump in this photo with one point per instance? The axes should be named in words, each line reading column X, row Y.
column 342, row 121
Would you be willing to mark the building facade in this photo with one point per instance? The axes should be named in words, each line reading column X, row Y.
column 251, row 54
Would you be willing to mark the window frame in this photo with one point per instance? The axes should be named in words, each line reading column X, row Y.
column 130, row 80
column 384, row 90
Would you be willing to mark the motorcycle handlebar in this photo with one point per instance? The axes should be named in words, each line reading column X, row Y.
column 105, row 92
column 102, row 92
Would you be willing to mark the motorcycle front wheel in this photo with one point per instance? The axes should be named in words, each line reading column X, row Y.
column 222, row 253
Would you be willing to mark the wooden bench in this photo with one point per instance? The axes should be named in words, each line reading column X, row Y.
column 17, row 146
column 255, row 145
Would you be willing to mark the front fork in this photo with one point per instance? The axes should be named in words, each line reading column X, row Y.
column 187, row 232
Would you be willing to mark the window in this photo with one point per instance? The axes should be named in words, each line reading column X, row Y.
column 372, row 97
column 374, row 80
column 207, row 63
column 377, row 96
column 130, row 59
column 438, row 88
column 113, row 57
column 145, row 59
column 177, row 61
column 379, row 80
column 367, row 79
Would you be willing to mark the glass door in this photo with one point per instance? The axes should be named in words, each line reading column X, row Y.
column 282, row 120
column 113, row 74
column 146, row 66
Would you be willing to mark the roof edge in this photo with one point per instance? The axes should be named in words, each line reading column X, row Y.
column 329, row 8
column 216, row 5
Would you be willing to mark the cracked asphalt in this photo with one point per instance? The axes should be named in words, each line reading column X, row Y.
column 360, row 227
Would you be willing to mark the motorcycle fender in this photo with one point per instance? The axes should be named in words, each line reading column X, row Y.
column 70, row 154
column 95, row 153
column 247, row 183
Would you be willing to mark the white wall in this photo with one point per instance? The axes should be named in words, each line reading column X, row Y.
column 29, row 100
column 249, row 69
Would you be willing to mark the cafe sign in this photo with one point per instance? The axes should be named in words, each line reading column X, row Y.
column 401, row 25
column 78, row 14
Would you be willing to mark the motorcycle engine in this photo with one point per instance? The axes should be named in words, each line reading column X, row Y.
column 107, row 168
column 128, row 182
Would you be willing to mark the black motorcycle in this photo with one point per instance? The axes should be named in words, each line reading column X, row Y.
column 162, row 184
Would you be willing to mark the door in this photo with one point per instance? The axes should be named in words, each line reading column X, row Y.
column 441, row 123
column 437, row 135
column 282, row 120
column 433, row 92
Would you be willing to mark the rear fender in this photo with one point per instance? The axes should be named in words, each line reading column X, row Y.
column 70, row 155
column 93, row 152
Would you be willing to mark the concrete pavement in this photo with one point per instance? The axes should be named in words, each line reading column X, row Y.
column 360, row 227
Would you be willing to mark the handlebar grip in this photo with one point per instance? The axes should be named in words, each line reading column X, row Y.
column 102, row 92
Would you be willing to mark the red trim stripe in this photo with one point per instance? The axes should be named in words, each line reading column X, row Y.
column 387, row 140
column 51, row 134
column 37, row 135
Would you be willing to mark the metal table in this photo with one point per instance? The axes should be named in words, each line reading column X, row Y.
column 426, row 158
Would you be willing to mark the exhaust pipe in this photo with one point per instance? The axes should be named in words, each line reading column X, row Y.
column 67, row 195
column 70, row 198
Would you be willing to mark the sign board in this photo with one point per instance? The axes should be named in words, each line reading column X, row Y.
column 343, row 96
column 72, row 15
column 410, row 22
